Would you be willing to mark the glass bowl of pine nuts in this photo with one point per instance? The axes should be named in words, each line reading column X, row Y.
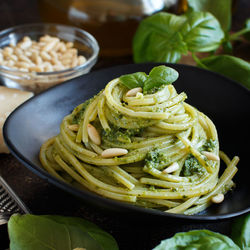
column 35, row 57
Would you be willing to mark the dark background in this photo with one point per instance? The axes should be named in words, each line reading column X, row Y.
column 43, row 198
column 13, row 12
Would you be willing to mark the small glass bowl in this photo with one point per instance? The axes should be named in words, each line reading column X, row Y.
column 36, row 82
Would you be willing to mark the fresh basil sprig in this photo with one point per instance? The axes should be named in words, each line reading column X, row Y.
column 202, row 32
column 158, row 39
column 205, row 239
column 241, row 232
column 247, row 26
column 29, row 232
column 158, row 76
column 230, row 66
column 165, row 37
column 221, row 9
column 198, row 239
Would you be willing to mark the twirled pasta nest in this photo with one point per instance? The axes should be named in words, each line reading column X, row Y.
column 170, row 156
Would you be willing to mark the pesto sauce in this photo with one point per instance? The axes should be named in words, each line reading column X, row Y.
column 209, row 145
column 156, row 159
column 191, row 166
column 79, row 113
column 121, row 135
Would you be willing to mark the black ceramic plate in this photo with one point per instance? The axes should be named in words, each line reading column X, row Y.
column 224, row 101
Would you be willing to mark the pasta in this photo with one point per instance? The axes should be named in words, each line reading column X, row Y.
column 151, row 149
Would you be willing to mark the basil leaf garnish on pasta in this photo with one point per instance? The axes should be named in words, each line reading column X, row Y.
column 134, row 80
column 158, row 76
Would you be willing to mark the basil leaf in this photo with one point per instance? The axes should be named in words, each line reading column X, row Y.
column 247, row 26
column 133, row 80
column 230, row 66
column 28, row 232
column 158, row 39
column 241, row 232
column 221, row 9
column 160, row 75
column 198, row 239
column 202, row 32
column 164, row 37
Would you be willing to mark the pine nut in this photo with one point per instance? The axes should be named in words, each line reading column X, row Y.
column 172, row 168
column 7, row 51
column 45, row 38
column 10, row 63
column 53, row 54
column 28, row 53
column 18, row 51
column 23, row 65
column 74, row 62
column 38, row 68
column 24, row 59
column 72, row 51
column 45, row 56
column 69, row 45
column 211, row 156
column 26, row 39
column 47, row 67
column 81, row 60
column 93, row 134
column 38, row 60
column 58, row 67
column 113, row 152
column 217, row 198
column 49, row 45
column 73, row 127
column 134, row 91
column 139, row 95
column 14, row 58
column 62, row 47
column 24, row 45
column 24, row 69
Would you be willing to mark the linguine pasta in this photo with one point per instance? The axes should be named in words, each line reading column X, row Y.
column 172, row 161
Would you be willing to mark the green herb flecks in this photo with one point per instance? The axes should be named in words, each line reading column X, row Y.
column 209, row 145
column 156, row 159
column 78, row 113
column 121, row 135
column 191, row 167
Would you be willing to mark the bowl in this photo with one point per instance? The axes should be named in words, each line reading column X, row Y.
column 36, row 82
column 224, row 101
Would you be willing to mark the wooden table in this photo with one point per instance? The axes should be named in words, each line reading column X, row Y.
column 44, row 198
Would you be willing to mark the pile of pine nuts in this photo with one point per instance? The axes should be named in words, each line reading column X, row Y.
column 46, row 55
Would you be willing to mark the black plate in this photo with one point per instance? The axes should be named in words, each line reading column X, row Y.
column 224, row 101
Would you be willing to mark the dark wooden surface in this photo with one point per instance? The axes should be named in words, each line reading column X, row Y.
column 43, row 198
